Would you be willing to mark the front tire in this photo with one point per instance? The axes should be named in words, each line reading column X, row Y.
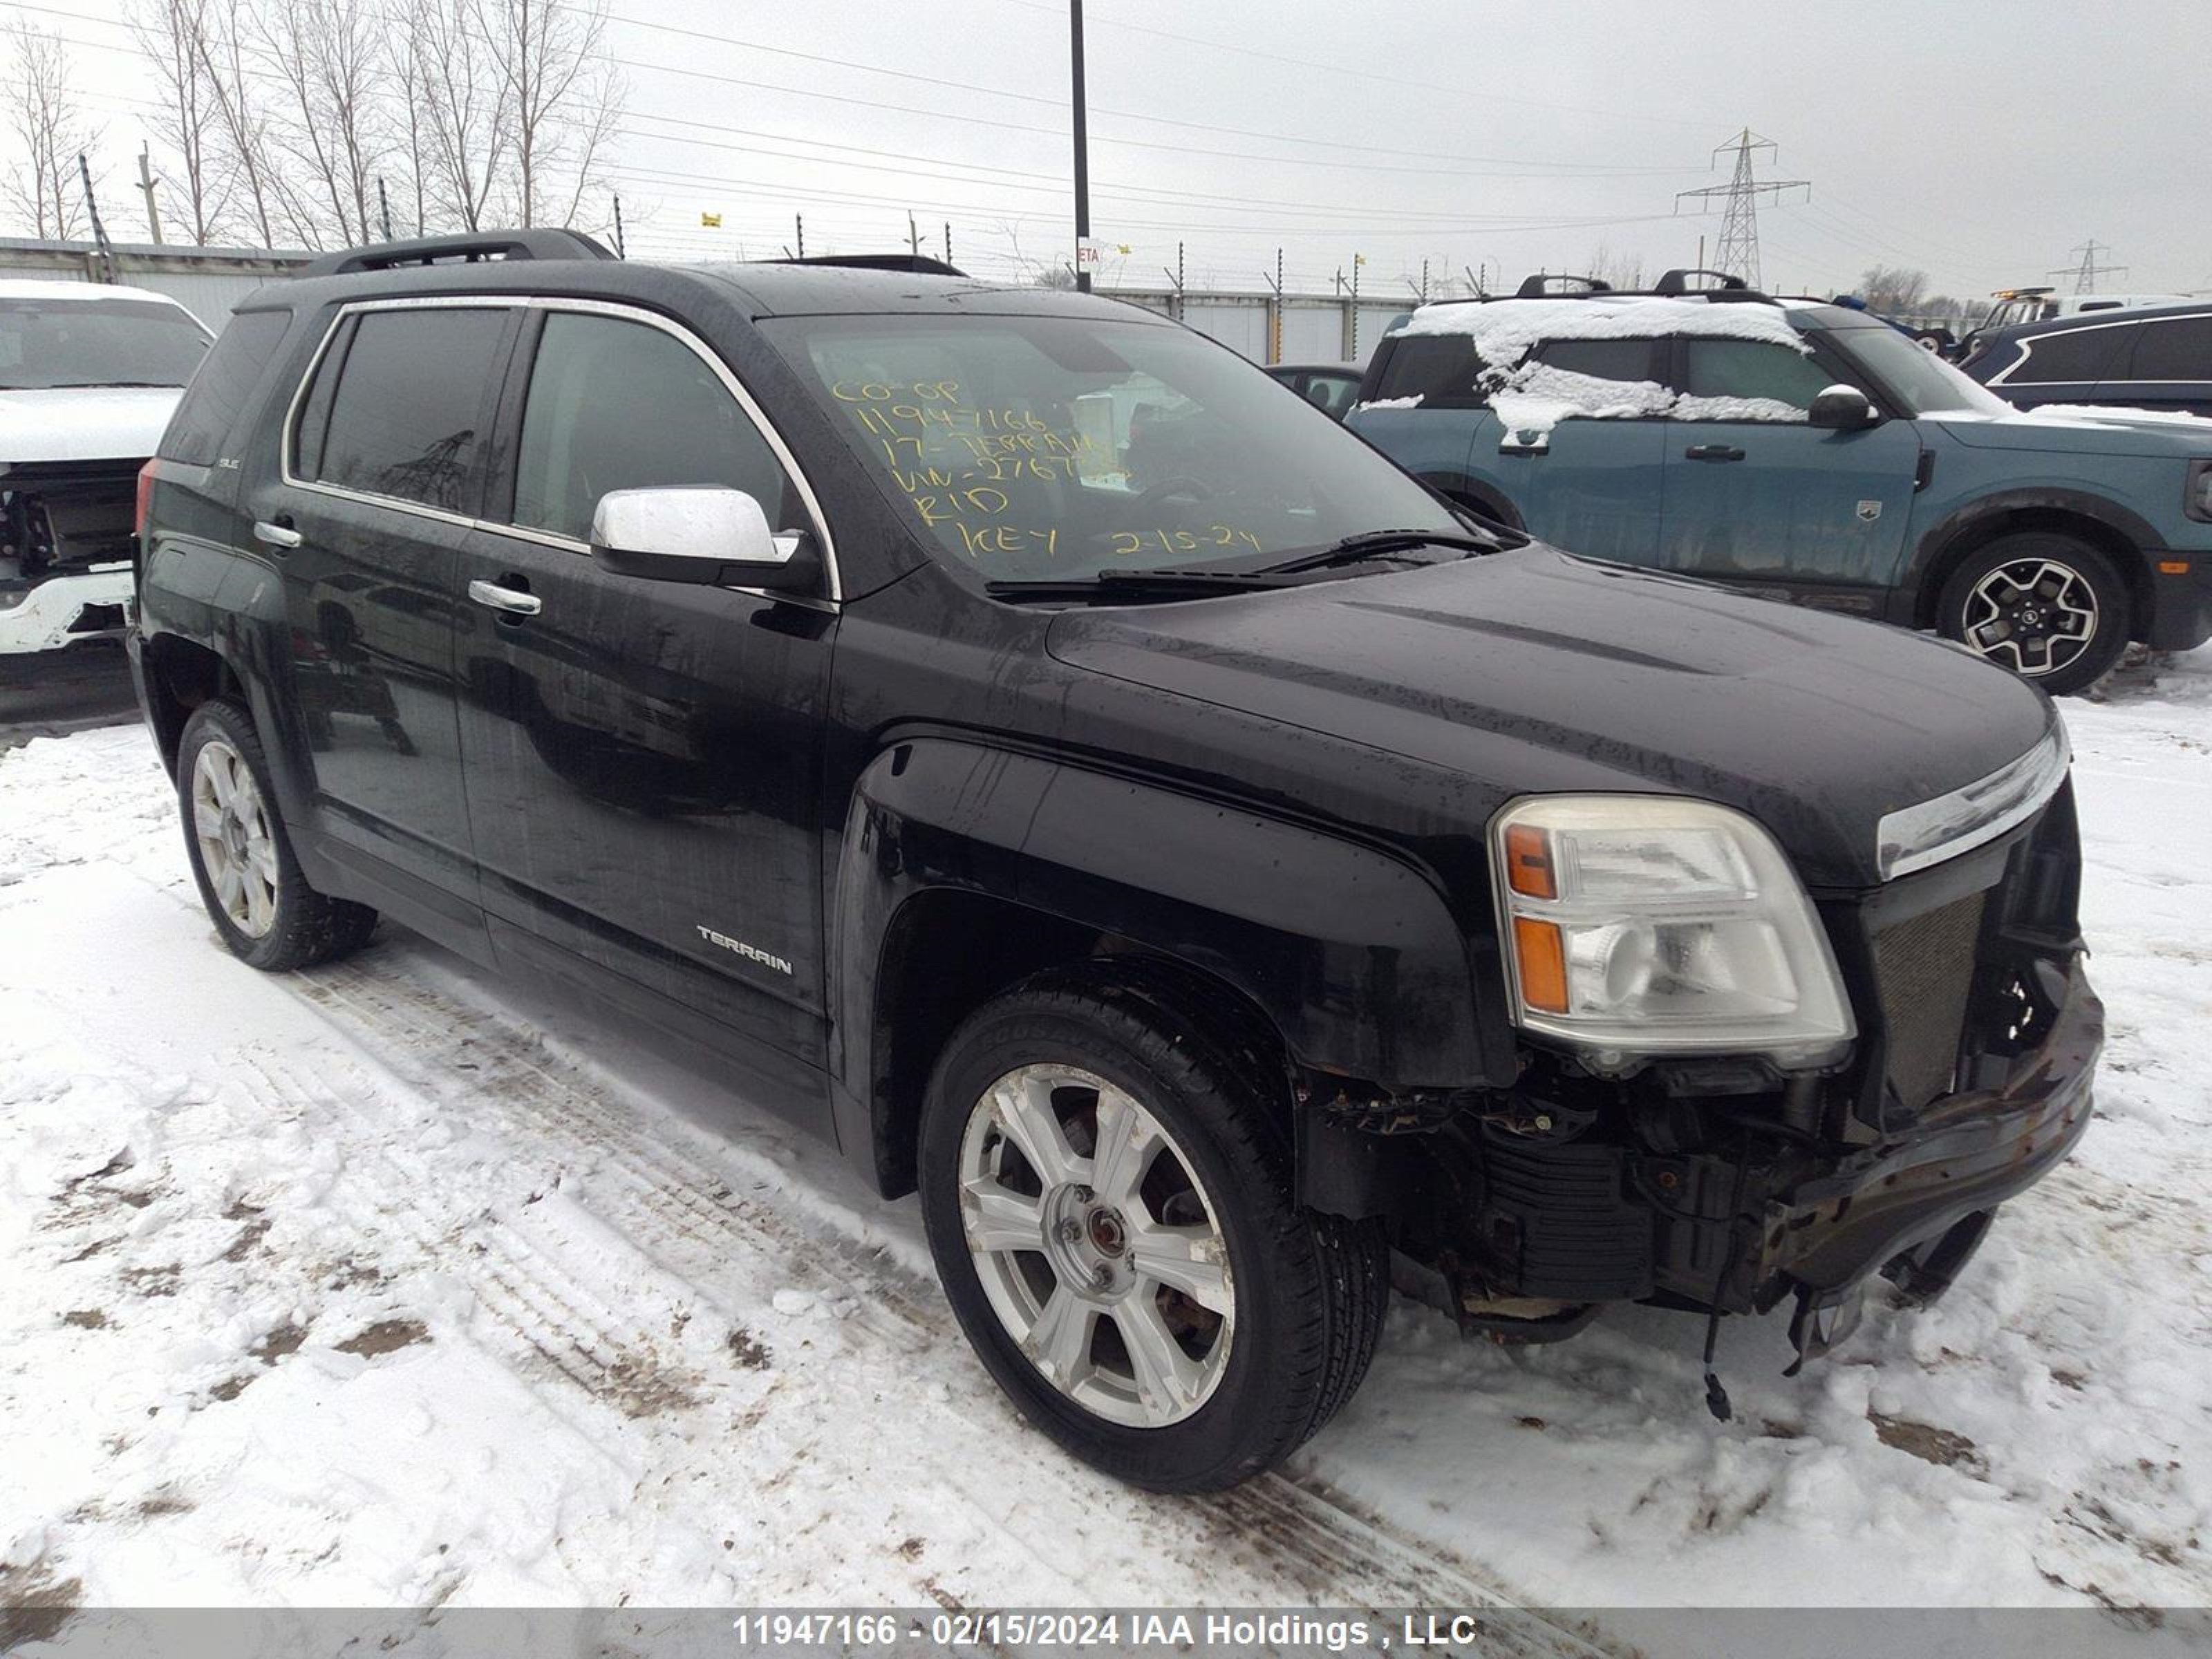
column 2046, row 606
column 252, row 883
column 1107, row 1196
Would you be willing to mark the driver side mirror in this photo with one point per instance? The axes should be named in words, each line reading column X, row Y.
column 708, row 534
column 1843, row 409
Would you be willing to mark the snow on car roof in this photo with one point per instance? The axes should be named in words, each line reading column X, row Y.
column 1503, row 329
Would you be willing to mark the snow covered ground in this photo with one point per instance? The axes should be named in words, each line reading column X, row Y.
column 387, row 1284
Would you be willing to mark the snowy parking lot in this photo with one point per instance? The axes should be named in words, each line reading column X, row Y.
column 383, row 1283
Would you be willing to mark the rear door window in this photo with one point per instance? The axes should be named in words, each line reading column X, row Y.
column 1633, row 361
column 2072, row 354
column 410, row 392
column 614, row 404
column 225, row 379
column 2178, row 349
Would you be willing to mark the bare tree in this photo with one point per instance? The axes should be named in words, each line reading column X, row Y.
column 1621, row 270
column 462, row 106
column 332, row 63
column 49, row 131
column 242, row 127
column 413, row 137
column 562, row 98
column 1893, row 290
column 175, row 36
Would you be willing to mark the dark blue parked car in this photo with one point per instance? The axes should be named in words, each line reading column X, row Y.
column 2157, row 359
column 1810, row 452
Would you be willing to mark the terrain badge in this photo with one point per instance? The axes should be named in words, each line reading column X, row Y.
column 1870, row 511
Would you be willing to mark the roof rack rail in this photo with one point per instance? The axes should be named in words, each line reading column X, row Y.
column 914, row 264
column 460, row 250
column 1677, row 281
column 1538, row 286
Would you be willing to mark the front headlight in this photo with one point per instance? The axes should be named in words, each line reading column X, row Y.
column 1638, row 926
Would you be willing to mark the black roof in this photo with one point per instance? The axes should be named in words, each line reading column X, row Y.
column 2011, row 332
column 760, row 288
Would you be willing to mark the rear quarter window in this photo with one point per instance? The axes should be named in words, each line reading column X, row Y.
column 1440, row 369
column 2071, row 355
column 222, row 388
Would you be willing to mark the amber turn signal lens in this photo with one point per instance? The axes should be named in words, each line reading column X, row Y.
column 2173, row 567
column 1542, row 953
column 1528, row 862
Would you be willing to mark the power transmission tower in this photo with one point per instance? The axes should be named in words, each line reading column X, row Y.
column 2086, row 273
column 1738, row 253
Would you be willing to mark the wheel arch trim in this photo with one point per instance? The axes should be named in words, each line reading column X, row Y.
column 1955, row 537
column 1373, row 980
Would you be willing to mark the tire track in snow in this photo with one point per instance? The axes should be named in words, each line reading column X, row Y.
column 1292, row 1534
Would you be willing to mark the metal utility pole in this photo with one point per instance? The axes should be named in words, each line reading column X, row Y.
column 383, row 207
column 146, row 183
column 106, row 255
column 2086, row 273
column 1275, row 310
column 1738, row 253
column 1082, row 145
column 1357, row 260
column 913, row 237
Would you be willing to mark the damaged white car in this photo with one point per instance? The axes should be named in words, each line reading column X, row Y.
column 89, row 375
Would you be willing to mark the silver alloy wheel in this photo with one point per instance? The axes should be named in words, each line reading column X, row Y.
column 1097, row 1246
column 2041, row 613
column 238, row 848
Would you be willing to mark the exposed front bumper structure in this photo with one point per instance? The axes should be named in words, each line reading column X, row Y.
column 1968, row 1154
column 59, row 611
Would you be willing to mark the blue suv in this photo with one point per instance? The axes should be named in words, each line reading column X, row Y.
column 1809, row 452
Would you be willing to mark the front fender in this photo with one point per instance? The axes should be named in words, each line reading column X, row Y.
column 1352, row 953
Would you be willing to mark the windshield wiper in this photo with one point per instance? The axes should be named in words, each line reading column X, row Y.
column 1368, row 544
column 1111, row 584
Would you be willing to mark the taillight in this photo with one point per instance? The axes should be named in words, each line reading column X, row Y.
column 146, row 474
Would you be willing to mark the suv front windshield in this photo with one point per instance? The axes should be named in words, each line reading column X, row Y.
column 1920, row 381
column 1050, row 448
column 50, row 343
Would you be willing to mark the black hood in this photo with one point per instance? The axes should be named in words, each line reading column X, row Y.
column 1535, row 671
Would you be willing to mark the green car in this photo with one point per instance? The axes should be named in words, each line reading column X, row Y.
column 1812, row 453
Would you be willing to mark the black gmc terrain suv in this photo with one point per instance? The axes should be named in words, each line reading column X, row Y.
column 1023, row 742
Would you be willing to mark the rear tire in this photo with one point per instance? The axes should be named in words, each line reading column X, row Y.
column 255, row 892
column 2045, row 605
column 1265, row 1352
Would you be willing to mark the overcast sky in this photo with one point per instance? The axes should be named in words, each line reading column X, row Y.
column 1982, row 142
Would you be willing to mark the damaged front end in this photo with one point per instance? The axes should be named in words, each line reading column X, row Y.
column 1730, row 1183
column 67, row 530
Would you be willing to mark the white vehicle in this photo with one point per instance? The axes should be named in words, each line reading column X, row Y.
column 2041, row 305
column 89, row 375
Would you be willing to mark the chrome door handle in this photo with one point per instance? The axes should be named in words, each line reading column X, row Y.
column 276, row 534
column 1712, row 453
column 506, row 598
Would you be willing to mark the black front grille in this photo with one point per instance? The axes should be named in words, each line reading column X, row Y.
column 1926, row 969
